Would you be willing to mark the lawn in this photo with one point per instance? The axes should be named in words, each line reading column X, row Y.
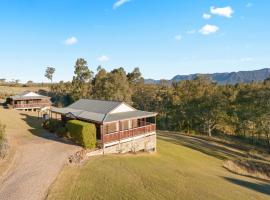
column 177, row 171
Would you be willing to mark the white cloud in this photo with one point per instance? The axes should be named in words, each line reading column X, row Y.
column 225, row 11
column 178, row 37
column 248, row 5
column 191, row 31
column 208, row 29
column 71, row 41
column 119, row 3
column 103, row 58
column 206, row 16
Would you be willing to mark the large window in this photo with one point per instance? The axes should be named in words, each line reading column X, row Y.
column 126, row 125
column 112, row 127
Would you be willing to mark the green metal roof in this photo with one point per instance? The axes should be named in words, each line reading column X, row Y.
column 97, row 106
column 99, row 111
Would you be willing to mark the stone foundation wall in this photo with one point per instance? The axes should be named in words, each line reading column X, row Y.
column 145, row 143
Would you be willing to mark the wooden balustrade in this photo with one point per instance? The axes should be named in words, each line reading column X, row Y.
column 31, row 105
column 111, row 137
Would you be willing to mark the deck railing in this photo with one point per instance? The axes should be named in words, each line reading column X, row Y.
column 31, row 105
column 117, row 136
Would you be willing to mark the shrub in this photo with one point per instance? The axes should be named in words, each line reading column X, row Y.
column 62, row 131
column 53, row 125
column 3, row 141
column 83, row 133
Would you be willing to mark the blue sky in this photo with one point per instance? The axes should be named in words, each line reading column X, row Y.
column 161, row 37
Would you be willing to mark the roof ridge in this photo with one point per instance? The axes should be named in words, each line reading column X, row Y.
column 103, row 100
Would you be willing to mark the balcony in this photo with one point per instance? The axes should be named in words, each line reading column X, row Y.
column 31, row 105
column 120, row 135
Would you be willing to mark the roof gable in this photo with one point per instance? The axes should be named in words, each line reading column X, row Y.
column 27, row 95
column 30, row 94
column 102, row 111
column 123, row 107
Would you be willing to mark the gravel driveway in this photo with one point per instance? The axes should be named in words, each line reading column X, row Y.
column 38, row 159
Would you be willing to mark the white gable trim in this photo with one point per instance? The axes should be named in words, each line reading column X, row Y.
column 123, row 107
column 31, row 94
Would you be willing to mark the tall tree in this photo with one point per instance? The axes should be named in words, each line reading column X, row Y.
column 81, row 80
column 112, row 86
column 99, row 84
column 49, row 73
column 135, row 76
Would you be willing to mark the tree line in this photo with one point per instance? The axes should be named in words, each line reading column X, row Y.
column 197, row 106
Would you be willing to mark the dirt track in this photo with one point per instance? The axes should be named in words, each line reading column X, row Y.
column 38, row 159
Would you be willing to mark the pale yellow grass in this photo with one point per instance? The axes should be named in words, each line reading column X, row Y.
column 10, row 90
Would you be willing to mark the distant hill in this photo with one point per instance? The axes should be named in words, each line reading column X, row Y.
column 224, row 78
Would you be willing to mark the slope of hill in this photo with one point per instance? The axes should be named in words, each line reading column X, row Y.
column 183, row 168
column 224, row 78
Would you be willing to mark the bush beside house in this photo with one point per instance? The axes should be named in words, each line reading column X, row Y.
column 83, row 133
column 55, row 126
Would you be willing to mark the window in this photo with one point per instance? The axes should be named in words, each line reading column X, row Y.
column 141, row 122
column 135, row 123
column 112, row 127
column 126, row 125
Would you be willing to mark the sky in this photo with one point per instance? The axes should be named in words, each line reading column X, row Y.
column 161, row 37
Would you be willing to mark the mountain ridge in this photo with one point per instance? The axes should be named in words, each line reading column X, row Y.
column 223, row 78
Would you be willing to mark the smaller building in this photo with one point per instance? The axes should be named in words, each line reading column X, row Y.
column 120, row 127
column 29, row 101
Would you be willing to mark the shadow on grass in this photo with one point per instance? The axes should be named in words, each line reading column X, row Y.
column 208, row 147
column 263, row 188
column 36, row 129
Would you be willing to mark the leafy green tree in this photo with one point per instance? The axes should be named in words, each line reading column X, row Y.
column 81, row 83
column 49, row 73
column 62, row 94
column 99, row 84
column 135, row 76
column 112, row 86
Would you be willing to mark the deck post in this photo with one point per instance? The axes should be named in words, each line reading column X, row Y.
column 102, row 137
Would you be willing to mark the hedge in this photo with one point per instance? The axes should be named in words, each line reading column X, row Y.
column 83, row 133
column 53, row 125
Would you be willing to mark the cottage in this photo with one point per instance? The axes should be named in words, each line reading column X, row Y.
column 120, row 127
column 29, row 101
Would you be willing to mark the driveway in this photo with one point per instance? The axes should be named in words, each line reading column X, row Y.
column 38, row 159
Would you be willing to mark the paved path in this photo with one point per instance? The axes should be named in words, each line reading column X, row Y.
column 38, row 159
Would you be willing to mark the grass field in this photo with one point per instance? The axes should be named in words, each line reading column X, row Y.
column 9, row 90
column 181, row 169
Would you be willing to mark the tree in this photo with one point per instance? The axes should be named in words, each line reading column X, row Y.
column 99, row 84
column 30, row 82
column 134, row 76
column 49, row 73
column 62, row 93
column 212, row 108
column 81, row 80
column 112, row 86
column 17, row 81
